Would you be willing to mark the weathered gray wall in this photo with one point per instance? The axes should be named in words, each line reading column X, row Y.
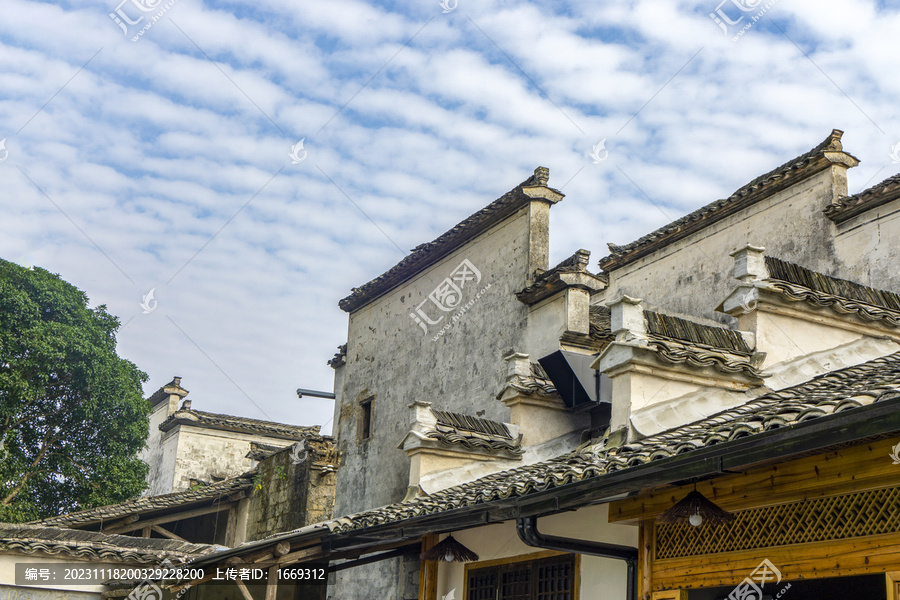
column 868, row 246
column 693, row 275
column 391, row 358
column 289, row 495
column 204, row 453
column 162, row 463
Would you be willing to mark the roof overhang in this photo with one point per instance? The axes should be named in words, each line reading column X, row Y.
column 777, row 445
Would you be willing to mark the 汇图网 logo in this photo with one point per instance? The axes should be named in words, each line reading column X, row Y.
column 447, row 297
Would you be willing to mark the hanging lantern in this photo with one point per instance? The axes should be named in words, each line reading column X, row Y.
column 449, row 550
column 696, row 510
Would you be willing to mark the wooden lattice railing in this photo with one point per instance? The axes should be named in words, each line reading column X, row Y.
column 837, row 517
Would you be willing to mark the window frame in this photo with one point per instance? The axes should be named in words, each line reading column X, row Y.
column 366, row 418
column 532, row 561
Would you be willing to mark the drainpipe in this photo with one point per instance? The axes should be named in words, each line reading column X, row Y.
column 529, row 534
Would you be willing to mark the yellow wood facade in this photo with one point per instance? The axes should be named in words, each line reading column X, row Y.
column 827, row 515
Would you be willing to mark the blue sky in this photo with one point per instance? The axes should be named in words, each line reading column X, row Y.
column 163, row 163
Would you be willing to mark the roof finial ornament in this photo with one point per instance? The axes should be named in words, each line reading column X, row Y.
column 834, row 140
column 541, row 176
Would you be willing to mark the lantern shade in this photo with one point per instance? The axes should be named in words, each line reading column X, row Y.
column 449, row 550
column 695, row 503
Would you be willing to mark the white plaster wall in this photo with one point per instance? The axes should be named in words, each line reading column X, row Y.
column 201, row 453
column 600, row 577
column 159, row 476
column 867, row 246
column 546, row 322
column 693, row 275
column 162, row 472
column 784, row 338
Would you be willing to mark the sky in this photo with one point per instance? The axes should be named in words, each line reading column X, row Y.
column 250, row 162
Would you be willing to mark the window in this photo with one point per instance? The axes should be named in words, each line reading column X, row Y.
column 543, row 579
column 365, row 418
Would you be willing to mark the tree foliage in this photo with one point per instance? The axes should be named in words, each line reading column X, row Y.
column 72, row 413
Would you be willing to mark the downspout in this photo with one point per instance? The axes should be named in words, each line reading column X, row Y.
column 529, row 534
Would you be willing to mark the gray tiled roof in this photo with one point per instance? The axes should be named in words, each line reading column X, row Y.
column 827, row 394
column 549, row 282
column 667, row 326
column 678, row 340
column 802, row 166
column 873, row 197
column 473, row 432
column 537, row 382
column 825, row 285
column 95, row 546
column 198, row 418
column 426, row 254
column 150, row 504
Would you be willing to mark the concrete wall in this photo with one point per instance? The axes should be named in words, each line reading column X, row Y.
column 600, row 577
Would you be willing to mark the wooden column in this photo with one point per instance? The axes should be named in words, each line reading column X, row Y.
column 646, row 542
column 428, row 571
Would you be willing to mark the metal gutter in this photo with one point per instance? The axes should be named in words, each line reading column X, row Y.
column 528, row 532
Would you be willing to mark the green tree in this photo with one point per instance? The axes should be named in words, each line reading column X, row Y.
column 72, row 413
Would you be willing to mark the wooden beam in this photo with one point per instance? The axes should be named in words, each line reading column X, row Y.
column 272, row 584
column 140, row 524
column 145, row 532
column 854, row 469
column 290, row 558
column 267, row 551
column 244, row 591
column 230, row 526
column 127, row 520
column 832, row 558
column 282, row 548
column 167, row 533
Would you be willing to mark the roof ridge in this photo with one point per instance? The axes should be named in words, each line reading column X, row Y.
column 686, row 330
column 792, row 273
column 470, row 423
column 822, row 395
column 846, row 207
column 428, row 253
column 250, row 419
column 159, row 501
column 618, row 254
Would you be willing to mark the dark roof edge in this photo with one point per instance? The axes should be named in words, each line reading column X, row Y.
column 549, row 282
column 250, row 426
column 815, row 435
column 692, row 332
column 779, row 178
column 144, row 504
column 878, row 195
column 427, row 254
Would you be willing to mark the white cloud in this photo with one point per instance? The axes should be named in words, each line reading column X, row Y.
column 152, row 151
